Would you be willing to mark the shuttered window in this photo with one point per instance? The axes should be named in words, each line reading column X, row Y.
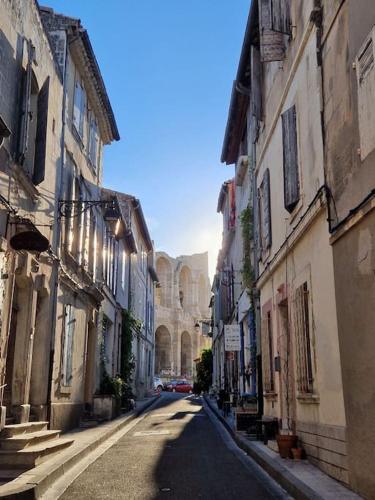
column 68, row 338
column 79, row 107
column 267, row 353
column 93, row 141
column 272, row 44
column 290, row 158
column 265, row 229
column 303, row 340
column 256, row 93
column 365, row 65
column 266, row 198
column 41, row 134
column 281, row 21
column 25, row 116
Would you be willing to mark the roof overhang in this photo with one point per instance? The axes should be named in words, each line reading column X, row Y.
column 239, row 101
column 83, row 53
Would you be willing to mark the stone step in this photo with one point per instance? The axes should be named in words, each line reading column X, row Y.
column 22, row 441
column 16, row 429
column 7, row 475
column 32, row 455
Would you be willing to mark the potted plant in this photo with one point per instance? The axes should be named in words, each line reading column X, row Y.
column 286, row 438
column 286, row 442
column 297, row 453
column 107, row 402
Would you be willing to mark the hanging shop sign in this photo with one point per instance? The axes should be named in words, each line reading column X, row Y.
column 232, row 336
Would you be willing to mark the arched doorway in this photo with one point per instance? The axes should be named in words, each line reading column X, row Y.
column 185, row 287
column 186, row 355
column 164, row 272
column 163, row 351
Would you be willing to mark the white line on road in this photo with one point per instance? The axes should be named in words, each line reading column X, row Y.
column 62, row 484
column 150, row 433
column 159, row 415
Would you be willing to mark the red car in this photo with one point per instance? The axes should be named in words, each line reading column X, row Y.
column 180, row 386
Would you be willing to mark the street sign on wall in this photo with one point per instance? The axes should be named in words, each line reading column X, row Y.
column 232, row 336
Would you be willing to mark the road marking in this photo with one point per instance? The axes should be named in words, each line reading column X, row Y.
column 158, row 415
column 150, row 433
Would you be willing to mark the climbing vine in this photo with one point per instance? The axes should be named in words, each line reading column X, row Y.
column 130, row 325
column 246, row 219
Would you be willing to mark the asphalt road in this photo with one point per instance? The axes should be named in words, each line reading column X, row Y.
column 177, row 451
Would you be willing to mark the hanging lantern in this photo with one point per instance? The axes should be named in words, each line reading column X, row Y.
column 28, row 238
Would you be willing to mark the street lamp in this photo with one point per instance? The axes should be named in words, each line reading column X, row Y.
column 74, row 208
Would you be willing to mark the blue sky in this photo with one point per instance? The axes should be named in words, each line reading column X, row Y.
column 168, row 66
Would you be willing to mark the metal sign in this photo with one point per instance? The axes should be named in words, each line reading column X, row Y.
column 232, row 336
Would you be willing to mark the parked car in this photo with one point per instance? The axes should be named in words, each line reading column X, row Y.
column 158, row 384
column 170, row 385
column 180, row 386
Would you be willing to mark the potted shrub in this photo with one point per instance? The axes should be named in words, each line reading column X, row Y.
column 107, row 402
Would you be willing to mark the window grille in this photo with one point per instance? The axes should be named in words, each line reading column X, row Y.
column 303, row 340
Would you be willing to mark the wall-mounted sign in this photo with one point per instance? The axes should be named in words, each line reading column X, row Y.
column 232, row 336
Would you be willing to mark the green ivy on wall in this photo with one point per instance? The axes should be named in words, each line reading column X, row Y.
column 246, row 219
column 130, row 325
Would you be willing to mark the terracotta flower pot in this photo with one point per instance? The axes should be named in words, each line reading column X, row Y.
column 286, row 443
column 297, row 453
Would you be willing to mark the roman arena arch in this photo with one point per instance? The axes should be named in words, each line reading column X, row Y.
column 163, row 351
column 185, row 287
column 186, row 355
column 164, row 272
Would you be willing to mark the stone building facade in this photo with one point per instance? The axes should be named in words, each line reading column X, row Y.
column 275, row 120
column 69, row 249
column 30, row 121
column 181, row 313
column 347, row 50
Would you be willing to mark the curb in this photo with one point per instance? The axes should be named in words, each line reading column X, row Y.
column 290, row 483
column 32, row 484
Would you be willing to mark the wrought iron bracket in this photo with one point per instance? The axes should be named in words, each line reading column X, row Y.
column 74, row 208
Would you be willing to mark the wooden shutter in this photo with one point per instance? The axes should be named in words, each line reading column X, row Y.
column 257, row 239
column 256, row 93
column 272, row 47
column 267, row 229
column 69, row 324
column 281, row 21
column 25, row 105
column 77, row 105
column 290, row 157
column 41, row 135
column 266, row 353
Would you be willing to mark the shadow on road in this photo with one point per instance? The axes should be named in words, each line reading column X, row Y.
column 198, row 464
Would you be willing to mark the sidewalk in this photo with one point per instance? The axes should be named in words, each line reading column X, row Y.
column 34, row 482
column 299, row 478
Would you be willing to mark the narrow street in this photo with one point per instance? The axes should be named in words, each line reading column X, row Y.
column 176, row 451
